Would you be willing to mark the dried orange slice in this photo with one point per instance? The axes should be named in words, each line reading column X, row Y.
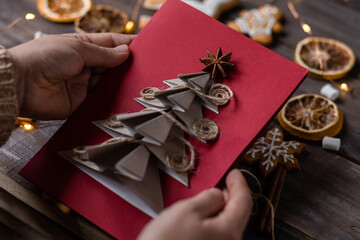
column 310, row 116
column 63, row 10
column 102, row 19
column 324, row 58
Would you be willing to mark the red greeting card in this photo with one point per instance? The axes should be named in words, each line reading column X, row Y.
column 171, row 44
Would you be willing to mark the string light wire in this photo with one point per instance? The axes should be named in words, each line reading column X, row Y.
column 307, row 29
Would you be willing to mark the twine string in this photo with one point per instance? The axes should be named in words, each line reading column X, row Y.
column 113, row 122
column 219, row 94
column 82, row 154
column 256, row 196
column 178, row 161
column 171, row 118
column 205, row 129
column 148, row 93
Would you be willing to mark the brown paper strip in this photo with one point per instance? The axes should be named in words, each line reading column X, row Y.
column 70, row 155
column 157, row 129
column 134, row 164
column 183, row 99
column 174, row 82
column 149, row 189
column 156, row 103
column 107, row 155
column 172, row 144
column 162, row 95
column 201, row 82
column 121, row 130
column 193, row 114
column 185, row 77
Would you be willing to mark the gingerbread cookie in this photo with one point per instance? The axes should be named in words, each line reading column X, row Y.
column 272, row 150
column 153, row 4
column 213, row 8
column 259, row 23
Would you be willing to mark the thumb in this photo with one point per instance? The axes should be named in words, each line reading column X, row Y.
column 207, row 203
column 97, row 56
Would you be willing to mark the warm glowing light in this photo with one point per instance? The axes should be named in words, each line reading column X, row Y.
column 130, row 27
column 30, row 16
column 28, row 126
column 344, row 87
column 306, row 28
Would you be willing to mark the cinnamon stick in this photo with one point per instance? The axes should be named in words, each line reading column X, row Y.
column 274, row 196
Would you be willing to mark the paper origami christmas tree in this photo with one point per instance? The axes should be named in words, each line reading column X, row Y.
column 155, row 137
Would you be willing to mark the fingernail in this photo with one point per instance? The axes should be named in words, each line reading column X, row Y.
column 122, row 48
column 217, row 192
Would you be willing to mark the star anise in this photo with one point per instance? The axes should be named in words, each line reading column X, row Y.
column 215, row 64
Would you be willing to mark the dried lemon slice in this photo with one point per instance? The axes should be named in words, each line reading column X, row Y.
column 63, row 10
column 324, row 58
column 310, row 116
column 102, row 19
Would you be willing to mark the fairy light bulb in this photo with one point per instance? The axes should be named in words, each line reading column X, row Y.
column 130, row 27
column 306, row 28
column 25, row 123
column 28, row 126
column 344, row 87
column 30, row 16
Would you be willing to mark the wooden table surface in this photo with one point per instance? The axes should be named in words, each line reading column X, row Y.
column 322, row 201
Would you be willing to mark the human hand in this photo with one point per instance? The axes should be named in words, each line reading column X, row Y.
column 212, row 214
column 53, row 73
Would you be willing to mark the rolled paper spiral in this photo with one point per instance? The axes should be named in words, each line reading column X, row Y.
column 178, row 161
column 206, row 129
column 220, row 94
column 148, row 93
column 81, row 153
column 113, row 122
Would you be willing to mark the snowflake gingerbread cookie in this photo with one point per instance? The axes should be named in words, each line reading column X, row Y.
column 259, row 23
column 272, row 150
column 213, row 8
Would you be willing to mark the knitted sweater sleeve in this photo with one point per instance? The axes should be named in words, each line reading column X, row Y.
column 8, row 100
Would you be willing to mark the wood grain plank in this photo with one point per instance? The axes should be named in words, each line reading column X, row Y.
column 323, row 198
column 8, row 233
column 19, row 216
column 281, row 232
column 352, row 4
column 78, row 226
column 13, row 223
